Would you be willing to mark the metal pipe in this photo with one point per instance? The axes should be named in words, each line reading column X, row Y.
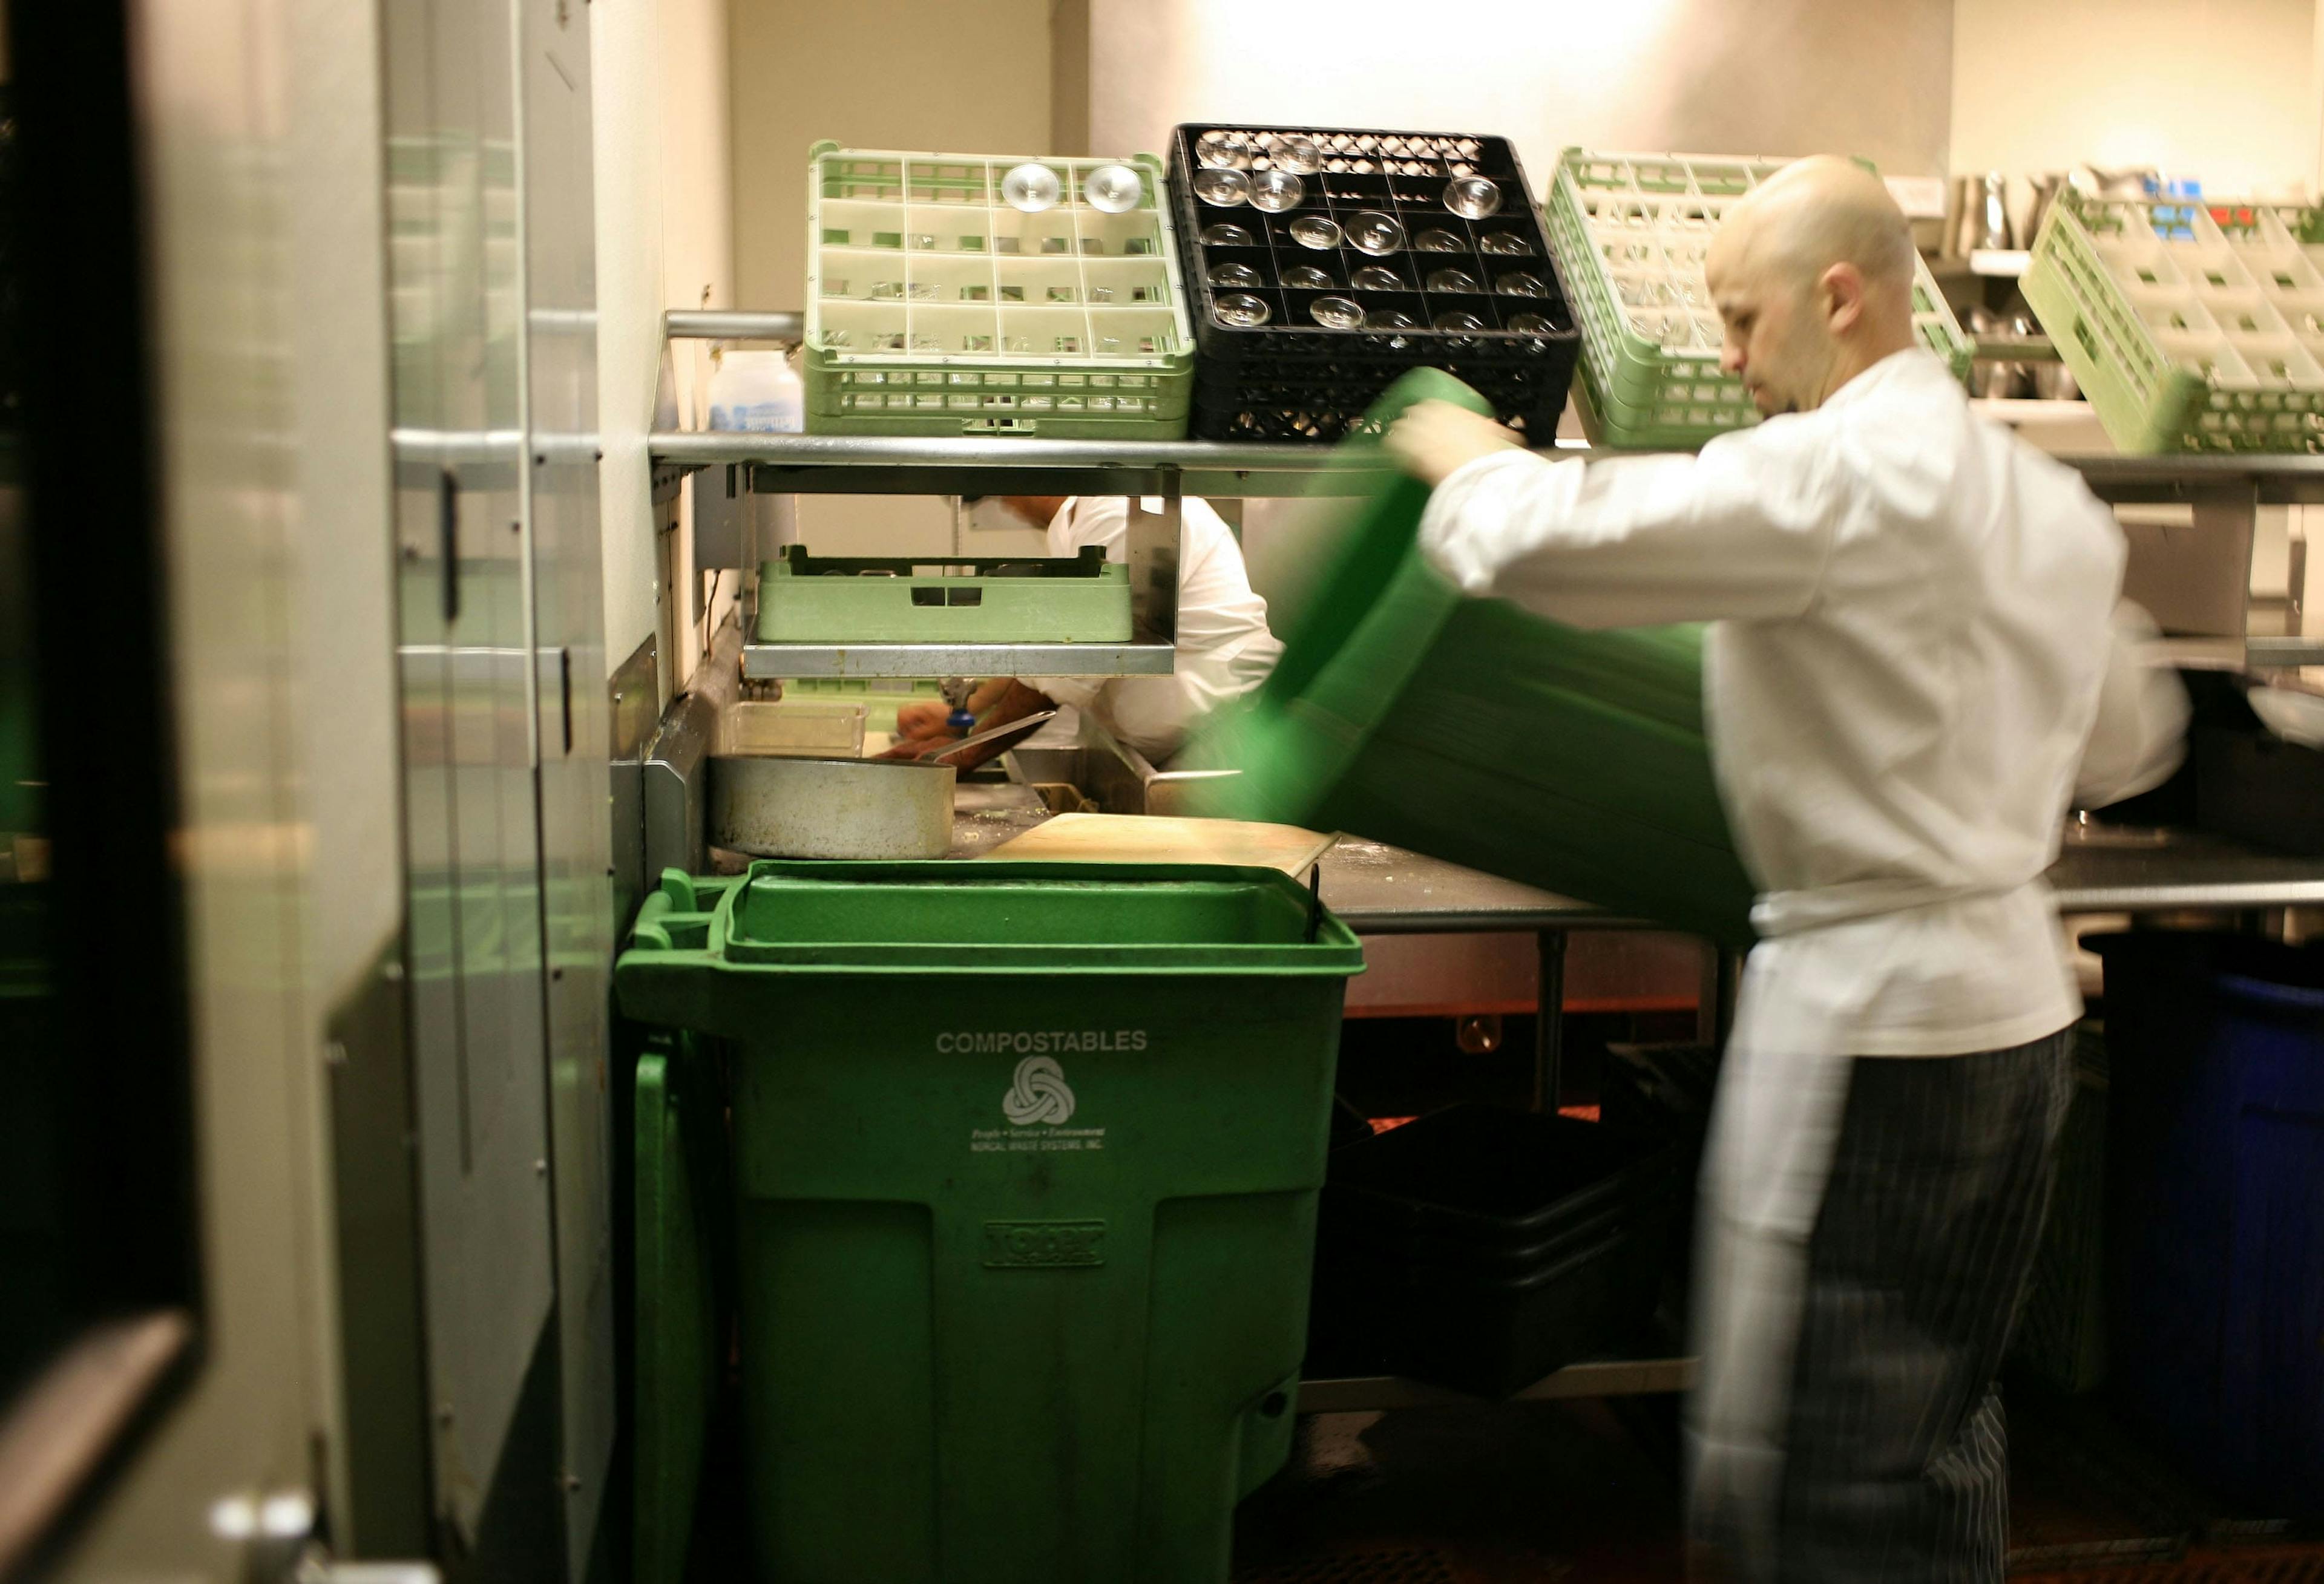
column 729, row 325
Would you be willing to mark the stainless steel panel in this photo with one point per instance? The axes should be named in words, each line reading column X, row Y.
column 676, row 776
column 468, row 674
column 632, row 698
column 572, row 724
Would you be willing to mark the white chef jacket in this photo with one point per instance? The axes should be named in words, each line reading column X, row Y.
column 1912, row 626
column 1224, row 648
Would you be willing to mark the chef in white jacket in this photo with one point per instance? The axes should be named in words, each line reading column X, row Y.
column 1916, row 665
column 1224, row 648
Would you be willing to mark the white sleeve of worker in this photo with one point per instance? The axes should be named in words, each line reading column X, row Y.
column 1224, row 648
column 2139, row 735
column 1740, row 532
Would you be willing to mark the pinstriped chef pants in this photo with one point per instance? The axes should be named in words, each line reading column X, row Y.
column 1896, row 1464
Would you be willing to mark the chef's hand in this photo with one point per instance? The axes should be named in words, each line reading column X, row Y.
column 1433, row 438
column 918, row 721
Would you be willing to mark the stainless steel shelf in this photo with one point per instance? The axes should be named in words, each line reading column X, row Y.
column 859, row 464
column 865, row 465
column 956, row 659
column 1616, row 1377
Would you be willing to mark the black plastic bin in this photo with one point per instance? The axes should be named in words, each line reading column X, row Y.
column 1292, row 378
column 1482, row 1249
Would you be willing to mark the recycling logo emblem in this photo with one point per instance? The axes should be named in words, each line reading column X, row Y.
column 1038, row 1094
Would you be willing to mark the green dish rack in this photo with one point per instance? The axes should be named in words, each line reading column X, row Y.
column 1632, row 232
column 934, row 307
column 2191, row 324
column 882, row 599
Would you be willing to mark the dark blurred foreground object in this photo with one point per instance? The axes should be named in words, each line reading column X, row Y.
column 2215, row 1213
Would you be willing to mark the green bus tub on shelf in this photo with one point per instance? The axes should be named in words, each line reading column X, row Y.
column 1025, row 1167
column 908, row 599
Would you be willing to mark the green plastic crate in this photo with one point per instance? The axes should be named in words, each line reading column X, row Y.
column 1474, row 731
column 875, row 598
column 1025, row 1159
column 935, row 307
column 2190, row 324
column 1631, row 232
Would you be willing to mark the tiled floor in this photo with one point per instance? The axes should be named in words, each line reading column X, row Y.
column 1516, row 1493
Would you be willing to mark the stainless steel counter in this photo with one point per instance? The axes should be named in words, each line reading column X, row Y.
column 1381, row 889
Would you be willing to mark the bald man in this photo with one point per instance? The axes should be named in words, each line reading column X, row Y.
column 1915, row 666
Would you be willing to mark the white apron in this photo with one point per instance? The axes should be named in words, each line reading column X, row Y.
column 1782, row 1093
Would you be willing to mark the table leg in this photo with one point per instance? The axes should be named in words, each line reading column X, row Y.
column 1549, row 1021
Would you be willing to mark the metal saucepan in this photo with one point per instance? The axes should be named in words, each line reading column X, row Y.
column 772, row 807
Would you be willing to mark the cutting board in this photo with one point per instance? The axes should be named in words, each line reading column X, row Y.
column 1135, row 838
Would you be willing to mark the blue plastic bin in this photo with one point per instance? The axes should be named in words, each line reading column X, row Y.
column 2216, row 1183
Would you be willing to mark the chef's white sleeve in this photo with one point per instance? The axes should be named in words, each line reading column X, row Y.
column 2139, row 736
column 1740, row 532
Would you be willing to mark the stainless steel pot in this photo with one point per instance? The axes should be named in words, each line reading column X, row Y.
column 775, row 808
column 830, row 808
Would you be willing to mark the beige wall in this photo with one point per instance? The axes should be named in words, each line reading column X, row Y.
column 664, row 240
column 964, row 76
column 1705, row 76
column 2223, row 90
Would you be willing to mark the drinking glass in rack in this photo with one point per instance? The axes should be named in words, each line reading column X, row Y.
column 1222, row 188
column 1240, row 310
column 1371, row 231
column 1114, row 189
column 1315, row 231
column 1031, row 188
column 1472, row 197
column 1521, row 286
column 1223, row 151
column 1376, row 278
column 1506, row 243
column 1453, row 281
column 1308, row 278
column 1298, row 155
column 1276, row 192
column 1438, row 240
column 1336, row 313
column 1224, row 235
column 1241, row 277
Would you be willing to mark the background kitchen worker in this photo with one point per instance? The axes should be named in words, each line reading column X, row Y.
column 1224, row 648
column 1909, row 674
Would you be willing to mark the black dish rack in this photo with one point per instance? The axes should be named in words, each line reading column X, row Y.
column 1293, row 379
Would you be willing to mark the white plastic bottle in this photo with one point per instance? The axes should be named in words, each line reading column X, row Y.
column 758, row 391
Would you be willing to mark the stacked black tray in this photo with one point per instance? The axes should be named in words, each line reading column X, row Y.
column 1481, row 1249
column 1290, row 377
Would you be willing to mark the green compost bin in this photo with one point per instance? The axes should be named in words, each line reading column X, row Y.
column 1025, row 1163
column 1474, row 731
